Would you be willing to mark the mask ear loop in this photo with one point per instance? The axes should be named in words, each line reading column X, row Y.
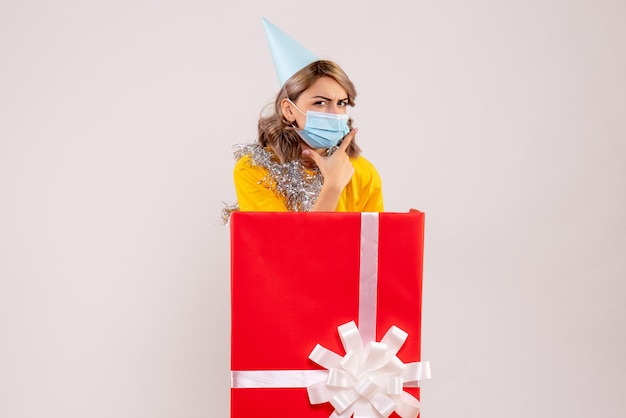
column 296, row 106
column 299, row 110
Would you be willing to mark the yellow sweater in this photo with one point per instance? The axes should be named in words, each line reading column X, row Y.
column 254, row 193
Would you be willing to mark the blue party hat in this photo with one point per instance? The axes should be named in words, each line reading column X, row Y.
column 288, row 55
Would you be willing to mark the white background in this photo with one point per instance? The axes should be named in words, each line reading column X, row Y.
column 503, row 120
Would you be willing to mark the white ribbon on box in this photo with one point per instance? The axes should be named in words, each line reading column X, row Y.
column 368, row 381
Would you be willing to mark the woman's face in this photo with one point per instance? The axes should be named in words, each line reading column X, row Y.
column 324, row 95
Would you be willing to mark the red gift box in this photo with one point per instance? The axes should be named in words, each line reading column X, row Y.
column 296, row 277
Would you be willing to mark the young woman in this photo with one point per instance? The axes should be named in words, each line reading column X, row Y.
column 306, row 158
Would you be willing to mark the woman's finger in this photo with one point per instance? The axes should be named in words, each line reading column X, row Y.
column 309, row 153
column 348, row 139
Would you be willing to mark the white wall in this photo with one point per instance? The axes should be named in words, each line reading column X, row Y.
column 503, row 120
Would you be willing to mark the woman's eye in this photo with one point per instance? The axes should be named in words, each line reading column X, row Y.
column 321, row 103
column 343, row 103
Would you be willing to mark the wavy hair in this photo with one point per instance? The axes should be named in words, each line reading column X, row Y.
column 276, row 132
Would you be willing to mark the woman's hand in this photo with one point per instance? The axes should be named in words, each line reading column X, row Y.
column 337, row 171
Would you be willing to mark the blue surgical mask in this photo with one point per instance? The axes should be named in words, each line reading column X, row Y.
column 323, row 130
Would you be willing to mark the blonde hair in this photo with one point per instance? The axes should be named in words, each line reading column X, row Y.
column 276, row 132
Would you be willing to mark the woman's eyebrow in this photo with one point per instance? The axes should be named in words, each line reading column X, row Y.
column 327, row 99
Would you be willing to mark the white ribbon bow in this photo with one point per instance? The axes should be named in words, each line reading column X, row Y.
column 368, row 381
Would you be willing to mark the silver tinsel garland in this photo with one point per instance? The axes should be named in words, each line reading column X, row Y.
column 298, row 185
